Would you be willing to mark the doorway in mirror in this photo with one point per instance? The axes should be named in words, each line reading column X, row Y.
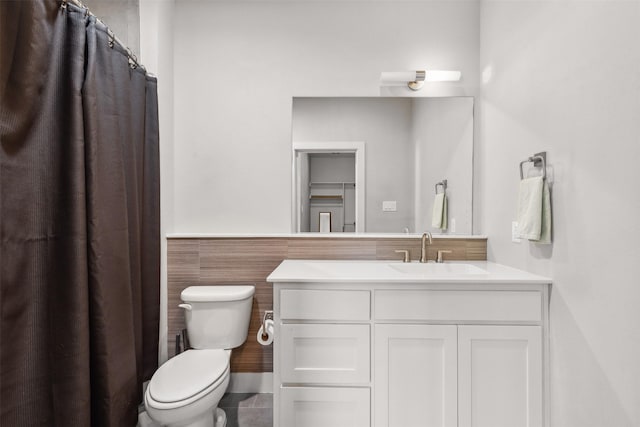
column 328, row 179
column 331, row 189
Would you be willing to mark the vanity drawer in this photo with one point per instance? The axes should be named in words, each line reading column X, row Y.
column 322, row 407
column 324, row 354
column 309, row 304
column 458, row 305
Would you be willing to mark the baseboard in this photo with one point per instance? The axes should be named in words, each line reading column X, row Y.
column 251, row 382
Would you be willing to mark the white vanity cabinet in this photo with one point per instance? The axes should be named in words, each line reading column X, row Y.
column 417, row 353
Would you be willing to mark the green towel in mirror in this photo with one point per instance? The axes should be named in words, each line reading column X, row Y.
column 439, row 219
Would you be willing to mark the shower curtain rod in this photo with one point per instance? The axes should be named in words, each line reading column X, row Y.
column 133, row 60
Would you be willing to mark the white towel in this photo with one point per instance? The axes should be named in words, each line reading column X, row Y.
column 439, row 219
column 534, row 210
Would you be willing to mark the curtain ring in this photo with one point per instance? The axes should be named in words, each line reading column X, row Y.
column 111, row 38
column 133, row 60
column 63, row 5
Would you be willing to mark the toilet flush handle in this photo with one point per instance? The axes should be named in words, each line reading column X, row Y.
column 185, row 306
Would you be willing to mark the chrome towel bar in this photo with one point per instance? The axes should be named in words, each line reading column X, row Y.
column 538, row 159
column 443, row 183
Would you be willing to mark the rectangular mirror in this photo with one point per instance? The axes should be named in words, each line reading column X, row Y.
column 375, row 163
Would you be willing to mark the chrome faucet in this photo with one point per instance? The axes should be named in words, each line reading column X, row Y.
column 423, row 247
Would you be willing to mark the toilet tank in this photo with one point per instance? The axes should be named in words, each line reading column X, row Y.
column 217, row 317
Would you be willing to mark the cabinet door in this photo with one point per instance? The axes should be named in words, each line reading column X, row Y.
column 323, row 407
column 500, row 376
column 415, row 376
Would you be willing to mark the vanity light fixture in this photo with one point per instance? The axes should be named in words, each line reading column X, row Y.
column 415, row 79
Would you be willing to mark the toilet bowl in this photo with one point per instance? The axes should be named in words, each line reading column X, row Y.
column 185, row 391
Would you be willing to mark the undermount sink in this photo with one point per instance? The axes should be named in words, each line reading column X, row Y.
column 431, row 269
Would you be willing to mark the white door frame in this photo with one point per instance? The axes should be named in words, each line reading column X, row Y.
column 355, row 147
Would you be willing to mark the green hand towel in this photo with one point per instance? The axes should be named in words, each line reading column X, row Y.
column 534, row 210
column 439, row 218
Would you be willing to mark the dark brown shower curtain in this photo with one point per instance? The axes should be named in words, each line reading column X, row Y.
column 79, row 221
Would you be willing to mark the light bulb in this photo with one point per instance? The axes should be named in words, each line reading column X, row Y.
column 442, row 76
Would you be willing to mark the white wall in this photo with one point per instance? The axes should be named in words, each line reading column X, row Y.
column 239, row 64
column 329, row 167
column 565, row 77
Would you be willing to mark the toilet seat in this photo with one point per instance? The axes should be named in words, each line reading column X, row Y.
column 187, row 377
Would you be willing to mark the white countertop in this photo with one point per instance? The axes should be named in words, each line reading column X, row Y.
column 331, row 271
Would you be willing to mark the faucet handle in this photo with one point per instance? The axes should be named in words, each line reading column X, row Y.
column 406, row 255
column 440, row 258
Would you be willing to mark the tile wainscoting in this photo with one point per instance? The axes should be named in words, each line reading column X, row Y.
column 197, row 261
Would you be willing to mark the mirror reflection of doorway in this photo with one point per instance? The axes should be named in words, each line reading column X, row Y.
column 330, row 182
column 328, row 176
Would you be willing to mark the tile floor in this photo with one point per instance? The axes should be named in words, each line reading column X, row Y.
column 248, row 409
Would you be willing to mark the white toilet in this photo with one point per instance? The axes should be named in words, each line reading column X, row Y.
column 185, row 391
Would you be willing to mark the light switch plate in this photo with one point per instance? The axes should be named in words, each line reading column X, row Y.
column 514, row 232
column 389, row 206
column 452, row 225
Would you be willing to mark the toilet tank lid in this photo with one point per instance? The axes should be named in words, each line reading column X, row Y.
column 217, row 293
